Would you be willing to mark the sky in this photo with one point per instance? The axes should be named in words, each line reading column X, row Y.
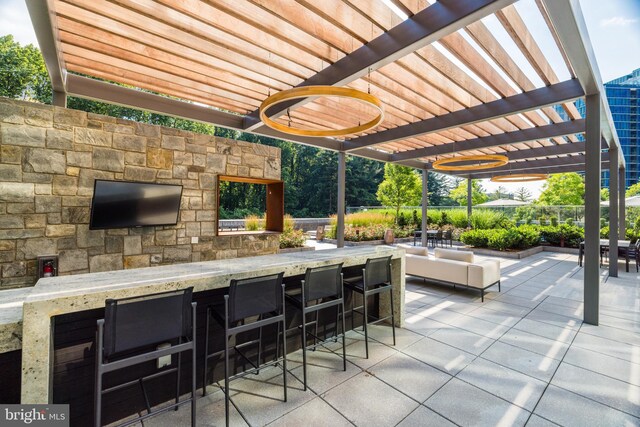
column 613, row 25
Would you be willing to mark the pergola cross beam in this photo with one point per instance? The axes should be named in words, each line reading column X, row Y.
column 580, row 167
column 429, row 25
column 537, row 98
column 507, row 138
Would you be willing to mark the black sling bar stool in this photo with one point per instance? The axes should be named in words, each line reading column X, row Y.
column 250, row 304
column 321, row 288
column 376, row 278
column 131, row 325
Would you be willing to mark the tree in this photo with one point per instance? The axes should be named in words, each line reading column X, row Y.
column 22, row 72
column 459, row 194
column 522, row 194
column 604, row 194
column 634, row 190
column 438, row 188
column 500, row 193
column 563, row 189
column 401, row 187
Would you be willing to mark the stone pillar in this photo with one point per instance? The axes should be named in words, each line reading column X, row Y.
column 592, row 211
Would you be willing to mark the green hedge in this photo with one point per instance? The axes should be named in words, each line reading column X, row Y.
column 502, row 239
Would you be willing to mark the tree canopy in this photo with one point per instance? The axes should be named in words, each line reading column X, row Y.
column 478, row 195
column 401, row 187
column 633, row 190
column 563, row 189
column 22, row 72
column 522, row 194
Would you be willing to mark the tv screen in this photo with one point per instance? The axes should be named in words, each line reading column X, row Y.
column 120, row 204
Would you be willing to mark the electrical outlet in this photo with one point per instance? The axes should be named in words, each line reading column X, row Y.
column 164, row 360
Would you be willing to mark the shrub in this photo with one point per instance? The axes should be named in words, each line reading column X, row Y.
column 252, row 223
column 542, row 221
column 417, row 221
column 292, row 238
column 476, row 238
column 530, row 236
column 288, row 223
column 402, row 221
column 458, row 218
column 604, row 232
column 554, row 221
column 569, row 221
column 501, row 239
column 486, row 219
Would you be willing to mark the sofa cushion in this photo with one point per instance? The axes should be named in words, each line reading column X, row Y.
column 414, row 250
column 454, row 255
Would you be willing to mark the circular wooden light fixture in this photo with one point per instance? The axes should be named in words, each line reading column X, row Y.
column 486, row 161
column 312, row 91
column 520, row 177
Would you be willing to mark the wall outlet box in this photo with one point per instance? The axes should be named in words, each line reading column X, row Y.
column 194, row 240
column 164, row 360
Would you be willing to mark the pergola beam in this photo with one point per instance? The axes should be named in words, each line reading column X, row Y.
column 507, row 138
column 554, row 150
column 107, row 92
column 545, row 170
column 519, row 167
column 420, row 30
column 571, row 30
column 538, row 98
column 43, row 19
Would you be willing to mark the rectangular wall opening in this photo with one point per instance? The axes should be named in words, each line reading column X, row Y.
column 270, row 194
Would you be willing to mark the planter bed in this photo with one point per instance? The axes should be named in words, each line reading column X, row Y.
column 370, row 242
column 291, row 250
column 519, row 254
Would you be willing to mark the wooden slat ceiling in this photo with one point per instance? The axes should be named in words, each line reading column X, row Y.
column 231, row 54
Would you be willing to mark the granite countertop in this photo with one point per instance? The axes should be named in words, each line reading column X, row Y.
column 11, row 302
column 89, row 290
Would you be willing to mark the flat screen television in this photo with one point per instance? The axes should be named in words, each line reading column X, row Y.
column 122, row 204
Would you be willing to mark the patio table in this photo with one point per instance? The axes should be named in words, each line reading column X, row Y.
column 604, row 245
column 431, row 235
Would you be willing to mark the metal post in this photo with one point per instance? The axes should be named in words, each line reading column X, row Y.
column 592, row 211
column 342, row 166
column 59, row 99
column 425, row 202
column 469, row 200
column 613, row 211
column 622, row 215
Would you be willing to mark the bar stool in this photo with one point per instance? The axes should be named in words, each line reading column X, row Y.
column 133, row 324
column 376, row 278
column 251, row 304
column 321, row 288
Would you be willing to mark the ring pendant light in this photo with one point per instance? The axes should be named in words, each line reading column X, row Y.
column 486, row 161
column 314, row 91
column 520, row 177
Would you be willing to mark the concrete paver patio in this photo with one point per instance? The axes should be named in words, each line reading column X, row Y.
column 523, row 357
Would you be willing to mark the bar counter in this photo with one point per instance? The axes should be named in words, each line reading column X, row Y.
column 62, row 295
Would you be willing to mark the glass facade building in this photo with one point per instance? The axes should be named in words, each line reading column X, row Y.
column 623, row 95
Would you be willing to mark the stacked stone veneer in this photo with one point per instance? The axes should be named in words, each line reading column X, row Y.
column 49, row 159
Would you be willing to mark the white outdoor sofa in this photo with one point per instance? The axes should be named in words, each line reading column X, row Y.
column 452, row 267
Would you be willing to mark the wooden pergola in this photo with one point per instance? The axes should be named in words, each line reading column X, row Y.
column 455, row 77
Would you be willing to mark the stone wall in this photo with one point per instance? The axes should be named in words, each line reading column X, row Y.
column 49, row 159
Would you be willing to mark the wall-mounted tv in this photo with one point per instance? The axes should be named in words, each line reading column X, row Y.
column 122, row 204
